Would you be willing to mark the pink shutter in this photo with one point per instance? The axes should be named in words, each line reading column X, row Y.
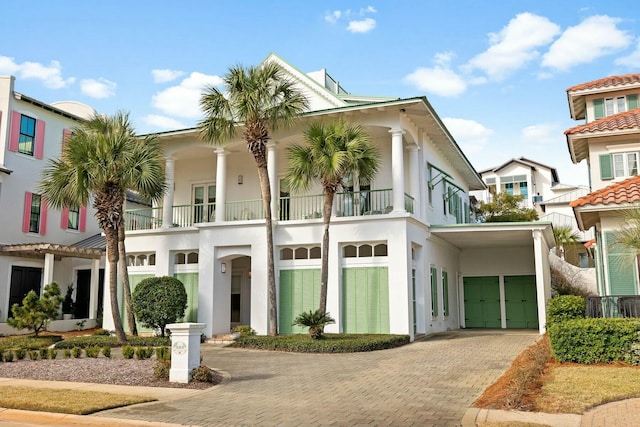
column 14, row 135
column 43, row 217
column 64, row 220
column 66, row 134
column 26, row 215
column 39, row 139
column 83, row 219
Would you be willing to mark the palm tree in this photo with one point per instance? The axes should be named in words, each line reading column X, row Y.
column 333, row 152
column 565, row 235
column 629, row 235
column 315, row 321
column 102, row 159
column 261, row 99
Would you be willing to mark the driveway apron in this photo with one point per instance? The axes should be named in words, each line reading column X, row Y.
column 430, row 382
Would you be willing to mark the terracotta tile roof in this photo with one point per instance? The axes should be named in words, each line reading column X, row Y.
column 620, row 121
column 626, row 191
column 590, row 243
column 607, row 82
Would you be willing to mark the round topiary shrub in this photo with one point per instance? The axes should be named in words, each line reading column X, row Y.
column 158, row 301
column 566, row 307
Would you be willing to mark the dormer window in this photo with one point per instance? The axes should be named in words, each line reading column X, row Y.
column 615, row 105
column 625, row 165
column 605, row 107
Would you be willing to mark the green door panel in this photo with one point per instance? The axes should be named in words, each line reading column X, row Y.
column 134, row 279
column 482, row 302
column 365, row 300
column 521, row 302
column 299, row 292
column 620, row 267
column 190, row 281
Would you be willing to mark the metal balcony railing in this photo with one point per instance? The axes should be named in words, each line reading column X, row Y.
column 613, row 306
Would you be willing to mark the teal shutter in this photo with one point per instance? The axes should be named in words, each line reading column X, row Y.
column 190, row 282
column 606, row 166
column 632, row 102
column 434, row 292
column 445, row 293
column 598, row 108
column 620, row 267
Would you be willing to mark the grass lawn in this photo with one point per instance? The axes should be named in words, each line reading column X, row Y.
column 570, row 388
column 64, row 401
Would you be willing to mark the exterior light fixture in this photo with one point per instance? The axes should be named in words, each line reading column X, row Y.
column 223, row 267
column 240, row 179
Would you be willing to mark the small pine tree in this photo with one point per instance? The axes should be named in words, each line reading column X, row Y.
column 35, row 313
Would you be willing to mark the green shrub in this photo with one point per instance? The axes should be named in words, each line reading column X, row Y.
column 92, row 351
column 8, row 356
column 331, row 343
column 103, row 340
column 244, row 330
column 158, row 301
column 202, row 374
column 161, row 369
column 315, row 321
column 594, row 340
column 35, row 313
column 66, row 353
column 163, row 353
column 21, row 353
column 143, row 352
column 101, row 332
column 106, row 351
column 28, row 342
column 566, row 307
column 33, row 355
column 128, row 352
column 53, row 353
column 76, row 352
column 44, row 353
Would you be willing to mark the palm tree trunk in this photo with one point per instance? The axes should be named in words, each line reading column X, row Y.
column 265, row 188
column 112, row 254
column 324, row 275
column 124, row 272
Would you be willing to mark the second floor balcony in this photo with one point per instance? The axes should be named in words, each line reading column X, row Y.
column 290, row 208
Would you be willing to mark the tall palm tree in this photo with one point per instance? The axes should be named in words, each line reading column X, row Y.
column 333, row 152
column 565, row 235
column 102, row 159
column 261, row 99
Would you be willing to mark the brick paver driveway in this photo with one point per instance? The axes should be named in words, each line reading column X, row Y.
column 430, row 382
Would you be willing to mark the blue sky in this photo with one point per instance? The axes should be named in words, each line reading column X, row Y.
column 495, row 71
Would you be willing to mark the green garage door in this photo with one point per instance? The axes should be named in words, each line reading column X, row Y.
column 482, row 302
column 190, row 282
column 299, row 292
column 521, row 302
column 365, row 300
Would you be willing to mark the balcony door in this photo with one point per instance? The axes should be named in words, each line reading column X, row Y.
column 204, row 202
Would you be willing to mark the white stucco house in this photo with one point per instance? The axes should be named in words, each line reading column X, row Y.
column 608, row 142
column 39, row 245
column 403, row 256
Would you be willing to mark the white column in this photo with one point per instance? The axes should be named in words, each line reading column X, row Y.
column 167, row 203
column 272, row 169
column 538, row 253
column 49, row 260
column 414, row 190
column 397, row 169
column 221, row 184
column 94, row 287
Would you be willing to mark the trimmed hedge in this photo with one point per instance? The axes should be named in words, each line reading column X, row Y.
column 105, row 341
column 330, row 343
column 566, row 307
column 594, row 340
column 28, row 342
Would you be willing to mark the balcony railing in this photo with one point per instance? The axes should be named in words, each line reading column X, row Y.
column 346, row 204
column 614, row 306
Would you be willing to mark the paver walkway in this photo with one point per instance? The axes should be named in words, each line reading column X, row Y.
column 431, row 382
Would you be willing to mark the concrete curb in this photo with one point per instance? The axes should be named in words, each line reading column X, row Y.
column 476, row 416
column 16, row 417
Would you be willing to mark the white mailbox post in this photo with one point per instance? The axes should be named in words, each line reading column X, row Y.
column 185, row 350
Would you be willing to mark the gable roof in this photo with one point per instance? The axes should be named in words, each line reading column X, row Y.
column 526, row 162
column 627, row 122
column 576, row 94
column 627, row 191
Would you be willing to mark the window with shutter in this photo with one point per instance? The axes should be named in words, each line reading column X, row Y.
column 606, row 167
column 632, row 102
column 598, row 108
column 434, row 292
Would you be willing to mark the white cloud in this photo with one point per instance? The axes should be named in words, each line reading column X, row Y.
column 165, row 75
column 514, row 46
column 50, row 76
column 183, row 100
column 594, row 37
column 363, row 26
column 163, row 122
column 542, row 134
column 632, row 60
column 368, row 9
column 333, row 17
column 470, row 135
column 98, row 88
column 437, row 80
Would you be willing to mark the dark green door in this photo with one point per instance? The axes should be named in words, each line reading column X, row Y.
column 482, row 302
column 521, row 302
